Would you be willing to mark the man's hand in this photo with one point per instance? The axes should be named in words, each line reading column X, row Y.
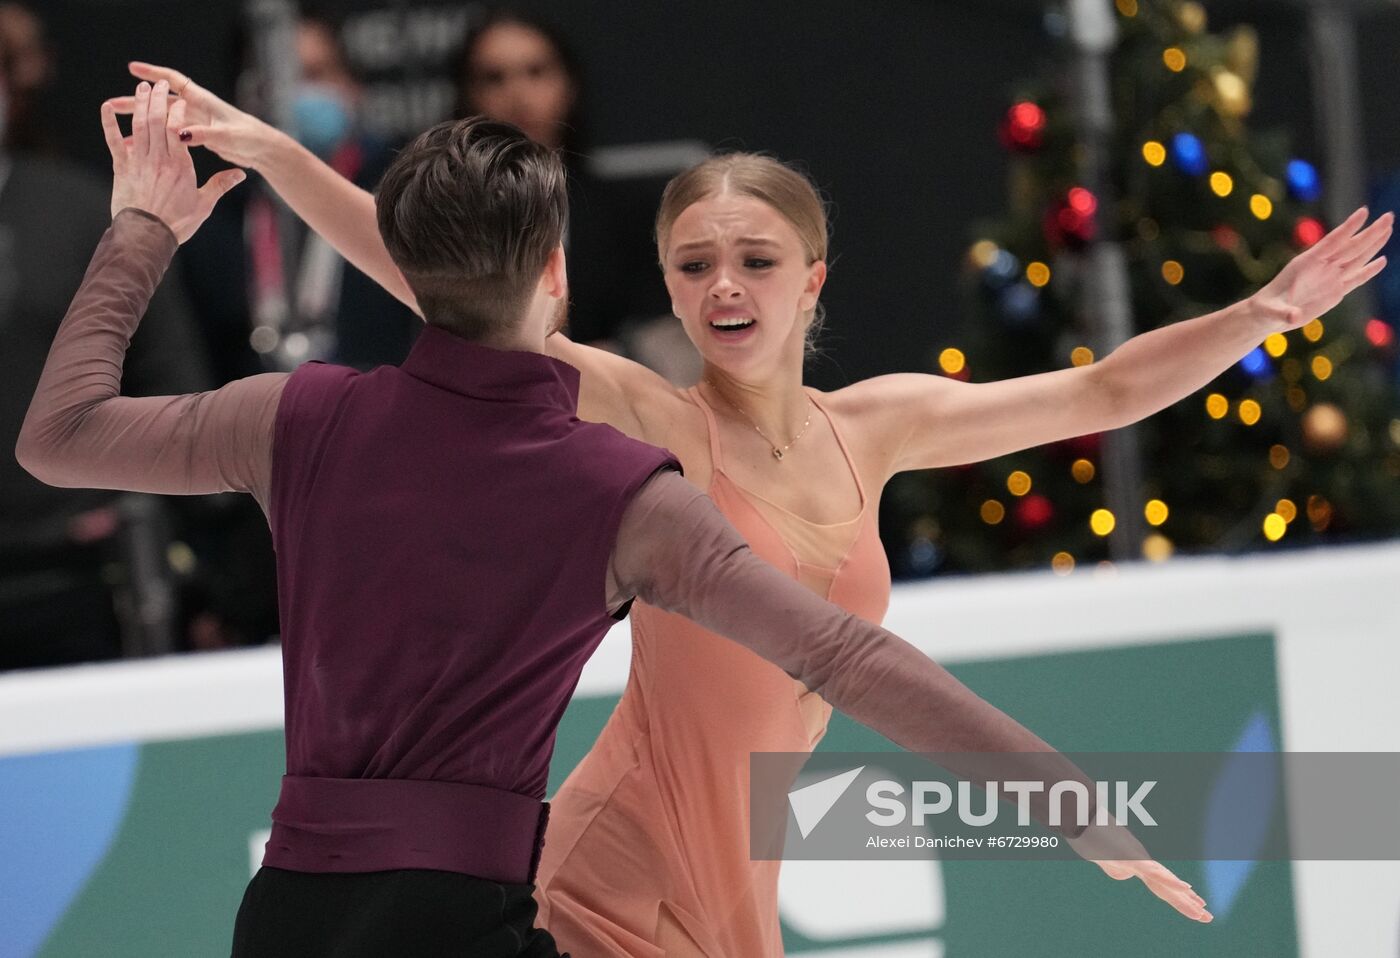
column 152, row 170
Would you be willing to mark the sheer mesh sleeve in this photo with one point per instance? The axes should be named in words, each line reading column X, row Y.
column 80, row 432
column 677, row 552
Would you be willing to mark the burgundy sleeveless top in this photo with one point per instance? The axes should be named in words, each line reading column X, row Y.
column 443, row 531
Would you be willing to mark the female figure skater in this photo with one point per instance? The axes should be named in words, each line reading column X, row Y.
column 648, row 845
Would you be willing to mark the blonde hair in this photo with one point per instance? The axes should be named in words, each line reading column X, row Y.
column 764, row 178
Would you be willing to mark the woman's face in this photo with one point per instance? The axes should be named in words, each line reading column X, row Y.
column 739, row 280
column 516, row 75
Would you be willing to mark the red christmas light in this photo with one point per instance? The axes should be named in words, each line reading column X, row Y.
column 1308, row 231
column 1034, row 512
column 1380, row 333
column 1225, row 237
column 1072, row 221
column 1082, row 201
column 1023, row 129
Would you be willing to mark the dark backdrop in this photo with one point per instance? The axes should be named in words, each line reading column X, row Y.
column 891, row 105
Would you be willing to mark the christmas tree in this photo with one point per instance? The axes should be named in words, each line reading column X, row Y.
column 1298, row 443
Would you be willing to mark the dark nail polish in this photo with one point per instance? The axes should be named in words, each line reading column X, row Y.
column 186, row 136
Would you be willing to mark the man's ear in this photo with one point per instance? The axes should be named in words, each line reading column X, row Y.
column 555, row 278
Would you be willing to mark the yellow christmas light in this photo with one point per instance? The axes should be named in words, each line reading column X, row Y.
column 1274, row 527
column 1278, row 456
column 1018, row 483
column 1276, row 344
column 1082, row 470
column 1154, row 153
column 982, row 253
column 1102, row 522
column 1173, row 272
column 1322, row 368
column 1313, row 331
column 1081, row 356
column 1174, row 58
column 1155, row 512
column 1250, row 411
column 1062, row 563
column 1222, row 183
column 952, row 361
column 1395, row 431
column 1038, row 274
column 1287, row 509
column 1261, row 206
column 1157, row 548
column 1127, row 8
column 1297, row 399
column 1217, row 406
column 993, row 512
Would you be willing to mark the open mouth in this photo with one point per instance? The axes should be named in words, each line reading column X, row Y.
column 733, row 325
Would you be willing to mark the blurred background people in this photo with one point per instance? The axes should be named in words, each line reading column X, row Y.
column 518, row 68
column 271, row 294
column 82, row 572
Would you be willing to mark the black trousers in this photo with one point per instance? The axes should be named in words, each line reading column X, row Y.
column 393, row 914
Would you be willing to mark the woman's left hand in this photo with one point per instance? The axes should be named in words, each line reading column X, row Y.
column 1319, row 278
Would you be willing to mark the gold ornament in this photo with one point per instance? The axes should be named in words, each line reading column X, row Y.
column 1232, row 97
column 1191, row 16
column 1324, row 428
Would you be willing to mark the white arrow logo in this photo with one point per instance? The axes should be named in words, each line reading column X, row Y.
column 811, row 803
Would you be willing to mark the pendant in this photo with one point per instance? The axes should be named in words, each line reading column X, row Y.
column 777, row 454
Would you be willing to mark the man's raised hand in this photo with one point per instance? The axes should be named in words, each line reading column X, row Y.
column 152, row 170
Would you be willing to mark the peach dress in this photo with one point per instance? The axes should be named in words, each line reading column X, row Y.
column 647, row 852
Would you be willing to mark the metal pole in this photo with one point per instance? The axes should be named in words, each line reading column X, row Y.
column 1337, row 108
column 1105, row 302
column 1337, row 104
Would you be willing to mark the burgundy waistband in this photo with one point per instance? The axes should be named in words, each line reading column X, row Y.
column 369, row 825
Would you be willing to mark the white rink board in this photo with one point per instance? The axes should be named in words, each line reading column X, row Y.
column 1335, row 614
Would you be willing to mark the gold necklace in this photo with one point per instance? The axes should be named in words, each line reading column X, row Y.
column 777, row 453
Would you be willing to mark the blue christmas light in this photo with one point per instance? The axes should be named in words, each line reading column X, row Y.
column 1189, row 154
column 1256, row 363
column 924, row 556
column 1020, row 303
column 1002, row 269
column 1304, row 184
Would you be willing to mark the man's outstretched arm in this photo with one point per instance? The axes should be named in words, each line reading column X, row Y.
column 79, row 431
column 676, row 551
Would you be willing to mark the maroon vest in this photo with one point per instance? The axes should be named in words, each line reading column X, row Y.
column 443, row 531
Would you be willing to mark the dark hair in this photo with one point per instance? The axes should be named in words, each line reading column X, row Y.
column 470, row 212
column 574, row 140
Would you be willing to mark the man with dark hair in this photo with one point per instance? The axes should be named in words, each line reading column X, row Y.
column 452, row 544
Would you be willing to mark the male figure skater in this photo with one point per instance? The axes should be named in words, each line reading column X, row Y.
column 452, row 544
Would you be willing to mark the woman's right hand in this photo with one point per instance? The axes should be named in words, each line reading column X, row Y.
column 237, row 137
column 1121, row 856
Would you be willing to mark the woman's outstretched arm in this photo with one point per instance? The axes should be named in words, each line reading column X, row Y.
column 928, row 421
column 330, row 204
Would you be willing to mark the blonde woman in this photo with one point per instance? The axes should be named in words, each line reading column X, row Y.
column 648, row 841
